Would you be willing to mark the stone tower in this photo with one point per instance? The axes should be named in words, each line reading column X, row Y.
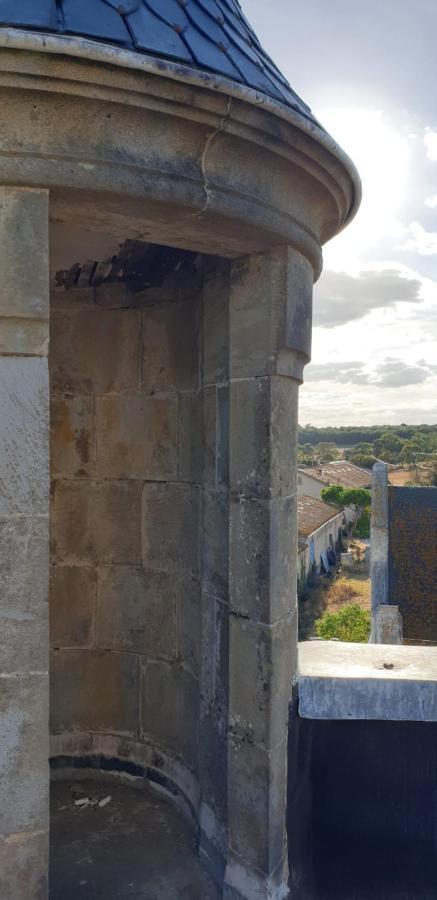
column 164, row 196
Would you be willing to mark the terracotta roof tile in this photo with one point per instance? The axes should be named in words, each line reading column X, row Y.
column 312, row 514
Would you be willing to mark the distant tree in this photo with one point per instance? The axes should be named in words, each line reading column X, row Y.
column 356, row 498
column 433, row 474
column 362, row 529
column 326, row 451
column 352, row 624
column 365, row 461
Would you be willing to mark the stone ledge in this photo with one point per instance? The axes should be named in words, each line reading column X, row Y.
column 367, row 681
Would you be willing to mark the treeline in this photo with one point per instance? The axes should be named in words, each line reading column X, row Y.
column 348, row 436
column 417, row 449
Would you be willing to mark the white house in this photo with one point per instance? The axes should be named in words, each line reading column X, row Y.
column 320, row 529
column 312, row 480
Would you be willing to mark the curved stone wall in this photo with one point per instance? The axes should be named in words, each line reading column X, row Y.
column 127, row 470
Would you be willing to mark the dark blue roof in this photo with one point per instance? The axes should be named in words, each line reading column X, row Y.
column 212, row 35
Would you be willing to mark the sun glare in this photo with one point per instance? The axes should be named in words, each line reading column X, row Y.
column 381, row 154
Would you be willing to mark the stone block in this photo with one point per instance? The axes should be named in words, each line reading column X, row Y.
column 24, row 864
column 214, row 678
column 216, row 328
column 170, row 710
column 190, row 438
column 24, row 753
column 71, row 298
column 137, row 437
column 24, row 436
column 24, row 588
column 170, row 528
column 210, row 422
column 262, row 662
column 257, row 782
column 213, row 761
column 72, row 606
column 24, row 337
column 96, row 522
column 170, row 347
column 263, row 437
column 24, row 222
column 93, row 350
column 262, row 561
column 189, row 616
column 215, row 543
column 216, row 437
column 136, row 611
column 223, row 438
column 387, row 626
column 94, row 690
column 270, row 312
column 72, row 436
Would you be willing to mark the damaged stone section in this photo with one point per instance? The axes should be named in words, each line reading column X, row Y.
column 137, row 266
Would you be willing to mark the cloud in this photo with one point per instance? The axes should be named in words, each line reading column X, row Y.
column 340, row 298
column 396, row 373
column 420, row 241
column 430, row 141
column 341, row 373
column 390, row 373
column 431, row 201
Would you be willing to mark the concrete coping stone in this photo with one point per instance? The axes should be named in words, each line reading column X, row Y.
column 367, row 681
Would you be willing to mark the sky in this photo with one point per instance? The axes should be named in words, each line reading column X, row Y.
column 368, row 70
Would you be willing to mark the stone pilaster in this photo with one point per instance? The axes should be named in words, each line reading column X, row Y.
column 379, row 542
column 24, row 536
column 270, row 326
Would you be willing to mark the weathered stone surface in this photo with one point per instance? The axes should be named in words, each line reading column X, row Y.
column 222, row 441
column 213, row 764
column 94, row 350
column 189, row 614
column 170, row 528
column 345, row 681
column 72, row 606
column 270, row 312
column 387, row 626
column 72, row 436
column 215, row 543
column 71, row 298
column 136, row 611
column 257, row 812
column 93, row 690
column 137, row 437
column 170, row 710
column 216, row 437
column 24, row 860
column 261, row 663
column 263, row 437
column 24, row 223
column 170, row 347
column 379, row 559
column 24, row 583
column 96, row 522
column 262, row 565
column 216, row 328
column 24, row 337
column 24, row 436
column 190, row 438
column 210, row 423
column 24, row 753
column 215, row 653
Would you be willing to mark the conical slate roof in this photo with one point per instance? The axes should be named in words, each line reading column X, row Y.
column 211, row 35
